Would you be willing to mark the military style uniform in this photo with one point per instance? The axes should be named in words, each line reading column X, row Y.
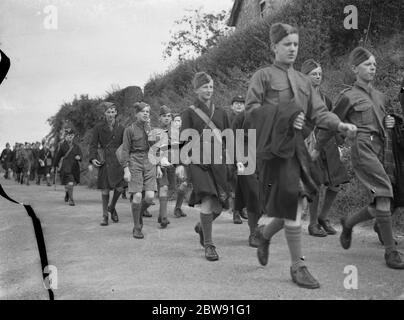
column 135, row 155
column 110, row 174
column 70, row 170
column 271, row 90
column 365, row 107
column 207, row 179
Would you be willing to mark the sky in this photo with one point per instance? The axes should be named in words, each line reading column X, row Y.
column 62, row 48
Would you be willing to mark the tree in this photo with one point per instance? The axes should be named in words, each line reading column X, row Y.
column 197, row 32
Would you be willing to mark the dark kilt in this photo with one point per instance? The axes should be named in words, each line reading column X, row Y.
column 208, row 180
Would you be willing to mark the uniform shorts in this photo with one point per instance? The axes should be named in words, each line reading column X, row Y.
column 143, row 173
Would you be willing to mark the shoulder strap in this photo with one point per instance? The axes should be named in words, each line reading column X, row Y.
column 208, row 121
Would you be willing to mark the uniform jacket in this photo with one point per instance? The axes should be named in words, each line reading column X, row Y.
column 275, row 84
column 365, row 107
column 135, row 140
column 271, row 91
column 207, row 179
column 103, row 146
column 69, row 165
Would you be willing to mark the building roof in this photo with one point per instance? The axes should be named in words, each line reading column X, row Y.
column 234, row 13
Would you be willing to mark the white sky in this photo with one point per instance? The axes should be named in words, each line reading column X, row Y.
column 97, row 44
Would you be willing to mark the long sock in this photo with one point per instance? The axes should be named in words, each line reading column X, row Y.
column 215, row 215
column 180, row 198
column 293, row 237
column 273, row 227
column 362, row 215
column 253, row 218
column 329, row 198
column 144, row 206
column 136, row 207
column 313, row 207
column 70, row 192
column 105, row 200
column 163, row 207
column 383, row 219
column 206, row 224
column 115, row 198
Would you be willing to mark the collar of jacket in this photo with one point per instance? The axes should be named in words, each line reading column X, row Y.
column 201, row 105
column 367, row 89
column 282, row 66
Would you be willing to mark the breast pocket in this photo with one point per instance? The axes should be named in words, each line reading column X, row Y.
column 279, row 91
column 363, row 113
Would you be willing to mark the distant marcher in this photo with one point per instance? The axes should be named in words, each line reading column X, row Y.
column 44, row 164
column 160, row 138
column 329, row 165
column 237, row 107
column 247, row 186
column 108, row 135
column 68, row 162
column 183, row 183
column 5, row 159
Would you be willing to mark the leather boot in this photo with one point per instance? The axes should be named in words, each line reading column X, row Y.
column 303, row 278
column 236, row 217
column 137, row 229
column 210, row 253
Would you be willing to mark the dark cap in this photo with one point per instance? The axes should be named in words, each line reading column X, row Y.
column 139, row 106
column 359, row 55
column 279, row 31
column 164, row 110
column 106, row 105
column 237, row 99
column 309, row 65
column 200, row 79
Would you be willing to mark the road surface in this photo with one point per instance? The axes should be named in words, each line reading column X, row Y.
column 95, row 262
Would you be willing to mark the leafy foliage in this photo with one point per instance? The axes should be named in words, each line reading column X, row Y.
column 197, row 33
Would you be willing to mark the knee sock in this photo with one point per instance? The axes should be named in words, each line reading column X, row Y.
column 293, row 237
column 253, row 218
column 105, row 200
column 163, row 207
column 329, row 198
column 115, row 198
column 383, row 219
column 273, row 227
column 206, row 224
column 313, row 207
column 70, row 191
column 144, row 206
column 180, row 198
column 136, row 207
column 362, row 215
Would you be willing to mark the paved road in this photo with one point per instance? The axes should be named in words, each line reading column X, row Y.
column 95, row 262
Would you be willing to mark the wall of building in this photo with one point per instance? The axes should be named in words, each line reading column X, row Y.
column 250, row 10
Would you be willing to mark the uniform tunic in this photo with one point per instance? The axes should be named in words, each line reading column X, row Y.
column 270, row 89
column 332, row 170
column 135, row 154
column 161, row 137
column 70, row 170
column 365, row 107
column 110, row 174
column 207, row 179
column 247, row 186
column 45, row 156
